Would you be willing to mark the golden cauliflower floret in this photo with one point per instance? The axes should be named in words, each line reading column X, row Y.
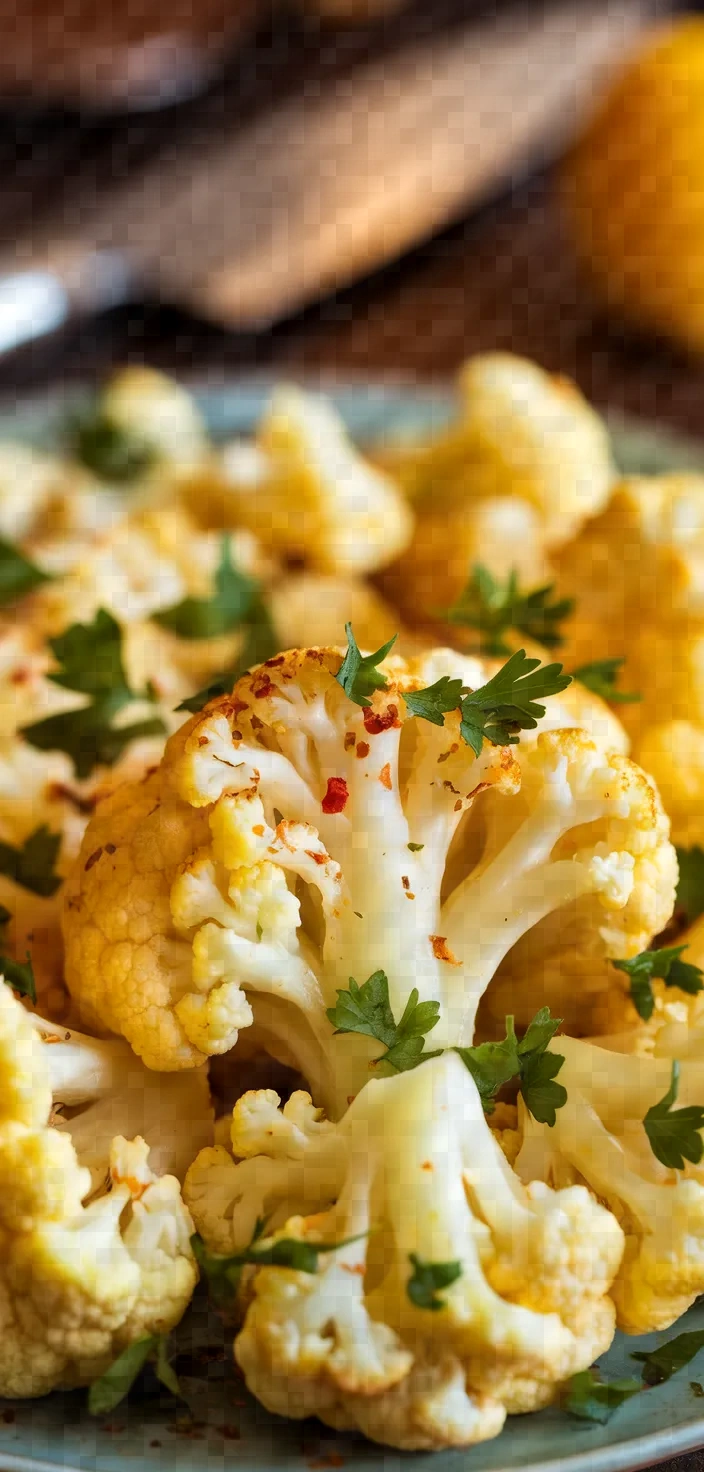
column 673, row 754
column 311, row 608
column 78, row 1284
column 414, row 1168
column 305, row 489
column 519, row 433
column 630, row 899
column 599, row 1136
column 502, row 533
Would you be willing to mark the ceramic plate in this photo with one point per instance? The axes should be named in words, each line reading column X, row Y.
column 227, row 1430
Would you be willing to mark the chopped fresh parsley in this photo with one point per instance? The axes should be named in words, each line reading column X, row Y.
column 259, row 645
column 494, row 1064
column 690, row 888
column 592, row 1399
column 33, row 865
column 366, row 1009
column 664, row 965
column 674, row 1134
column 91, row 663
column 222, row 1272
column 105, row 448
column 601, row 677
column 208, row 618
column 415, row 848
column 428, row 1278
column 661, row 1363
column 112, row 1387
column 494, row 607
column 358, row 674
column 432, row 703
column 17, row 574
column 507, row 703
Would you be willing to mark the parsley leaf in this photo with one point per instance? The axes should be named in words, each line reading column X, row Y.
column 507, row 703
column 661, row 1363
column 601, row 677
column 674, row 1134
column 17, row 974
column 432, row 703
column 222, row 1272
column 366, row 1009
column 592, row 1399
column 90, row 660
column 111, row 1388
column 17, row 574
column 32, row 865
column 358, row 674
column 494, row 1064
column 109, row 451
column 209, row 618
column 690, row 887
column 493, row 607
column 427, row 1278
column 259, row 645
column 667, row 967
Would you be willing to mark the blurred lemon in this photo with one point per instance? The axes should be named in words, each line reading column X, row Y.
column 634, row 187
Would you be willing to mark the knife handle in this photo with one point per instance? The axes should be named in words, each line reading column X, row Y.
column 40, row 295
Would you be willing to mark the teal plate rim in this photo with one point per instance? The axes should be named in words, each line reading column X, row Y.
column 231, row 1432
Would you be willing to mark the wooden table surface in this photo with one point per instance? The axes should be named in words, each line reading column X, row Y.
column 504, row 280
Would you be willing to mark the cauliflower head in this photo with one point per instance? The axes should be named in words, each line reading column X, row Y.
column 411, row 1179
column 291, row 839
column 78, row 1282
column 599, row 1138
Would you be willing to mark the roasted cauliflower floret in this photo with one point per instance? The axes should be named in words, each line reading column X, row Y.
column 673, row 754
column 412, row 1176
column 599, row 1138
column 78, row 1283
column 291, row 839
column 519, row 432
column 307, row 490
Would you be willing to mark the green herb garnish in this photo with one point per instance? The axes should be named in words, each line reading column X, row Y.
column 366, row 1009
column 494, row 607
column 664, row 965
column 674, row 1134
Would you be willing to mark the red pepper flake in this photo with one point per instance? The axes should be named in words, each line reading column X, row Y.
column 409, row 894
column 449, row 788
column 317, row 858
column 427, row 1165
column 350, row 739
column 111, row 848
column 357, row 1268
column 441, row 950
column 405, row 881
column 21, row 675
column 230, row 1432
column 336, row 796
column 259, row 829
column 263, row 688
column 277, row 659
column 458, row 806
column 377, row 721
column 362, row 749
column 385, row 777
column 92, row 860
column 202, row 740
